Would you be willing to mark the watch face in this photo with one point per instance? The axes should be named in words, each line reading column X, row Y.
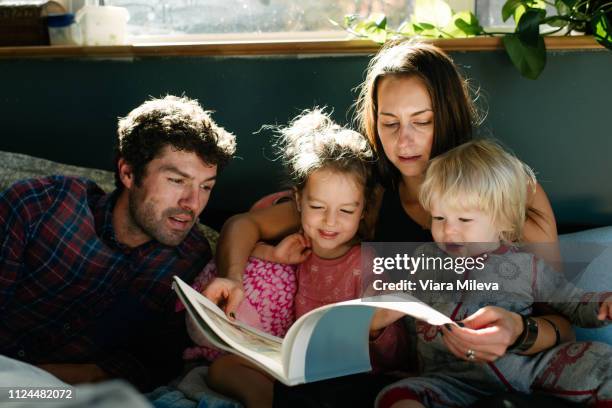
column 531, row 335
column 532, row 325
column 527, row 337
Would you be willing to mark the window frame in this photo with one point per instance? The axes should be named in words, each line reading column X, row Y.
column 254, row 48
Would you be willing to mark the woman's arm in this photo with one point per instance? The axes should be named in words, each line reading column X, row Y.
column 241, row 233
column 541, row 230
column 492, row 330
column 547, row 336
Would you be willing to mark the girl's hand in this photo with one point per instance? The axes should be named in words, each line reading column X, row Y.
column 605, row 310
column 487, row 333
column 293, row 249
column 225, row 293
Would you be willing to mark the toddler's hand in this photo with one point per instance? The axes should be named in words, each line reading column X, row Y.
column 293, row 249
column 605, row 310
column 383, row 318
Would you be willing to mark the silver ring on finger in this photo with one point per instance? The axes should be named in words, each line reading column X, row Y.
column 470, row 354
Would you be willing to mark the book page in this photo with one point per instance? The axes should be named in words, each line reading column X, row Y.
column 333, row 340
column 331, row 343
column 403, row 302
column 409, row 305
column 261, row 348
column 248, row 338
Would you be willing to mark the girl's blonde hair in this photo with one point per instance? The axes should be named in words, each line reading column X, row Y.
column 481, row 174
column 312, row 141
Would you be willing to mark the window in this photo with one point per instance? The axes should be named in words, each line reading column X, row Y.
column 489, row 12
column 197, row 20
column 267, row 18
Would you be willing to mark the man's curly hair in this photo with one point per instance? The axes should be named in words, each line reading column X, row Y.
column 173, row 121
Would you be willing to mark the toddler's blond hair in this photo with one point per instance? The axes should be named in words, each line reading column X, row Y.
column 481, row 174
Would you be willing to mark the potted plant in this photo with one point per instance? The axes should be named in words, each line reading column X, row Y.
column 525, row 45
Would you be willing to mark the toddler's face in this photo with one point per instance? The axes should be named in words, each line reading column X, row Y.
column 462, row 231
column 331, row 206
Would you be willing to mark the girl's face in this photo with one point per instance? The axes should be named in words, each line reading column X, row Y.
column 405, row 123
column 331, row 206
column 463, row 231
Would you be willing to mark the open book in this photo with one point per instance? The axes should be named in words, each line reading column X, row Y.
column 330, row 341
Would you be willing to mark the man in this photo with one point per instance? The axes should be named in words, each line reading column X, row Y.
column 85, row 278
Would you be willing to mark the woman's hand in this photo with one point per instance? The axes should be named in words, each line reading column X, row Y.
column 487, row 333
column 383, row 318
column 225, row 293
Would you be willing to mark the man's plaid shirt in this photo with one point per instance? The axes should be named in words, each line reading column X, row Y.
column 70, row 293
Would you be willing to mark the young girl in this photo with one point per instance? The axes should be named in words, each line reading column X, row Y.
column 476, row 194
column 331, row 171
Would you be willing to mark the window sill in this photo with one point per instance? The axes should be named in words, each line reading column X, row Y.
column 251, row 48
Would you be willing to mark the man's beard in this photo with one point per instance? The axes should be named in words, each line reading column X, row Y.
column 142, row 216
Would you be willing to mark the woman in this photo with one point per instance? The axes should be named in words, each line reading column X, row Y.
column 413, row 106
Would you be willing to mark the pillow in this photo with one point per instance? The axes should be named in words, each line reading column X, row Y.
column 17, row 166
column 596, row 244
column 601, row 235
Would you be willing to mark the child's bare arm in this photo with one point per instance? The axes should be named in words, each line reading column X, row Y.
column 263, row 251
column 238, row 378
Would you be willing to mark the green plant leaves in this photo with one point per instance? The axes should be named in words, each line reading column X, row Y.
column 374, row 27
column 602, row 29
column 527, row 58
column 562, row 7
column 516, row 8
column 467, row 23
column 525, row 47
column 556, row 21
column 349, row 20
column 528, row 27
column 570, row 3
column 509, row 8
column 410, row 29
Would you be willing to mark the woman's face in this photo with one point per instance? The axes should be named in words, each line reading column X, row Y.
column 405, row 123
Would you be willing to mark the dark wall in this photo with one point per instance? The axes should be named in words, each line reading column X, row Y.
column 66, row 110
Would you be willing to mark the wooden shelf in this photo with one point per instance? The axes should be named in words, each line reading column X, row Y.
column 249, row 48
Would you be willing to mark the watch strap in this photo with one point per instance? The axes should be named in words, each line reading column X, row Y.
column 528, row 337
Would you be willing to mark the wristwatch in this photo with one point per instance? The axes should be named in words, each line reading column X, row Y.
column 527, row 338
column 556, row 329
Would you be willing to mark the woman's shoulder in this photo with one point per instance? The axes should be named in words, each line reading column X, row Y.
column 540, row 223
column 541, row 227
